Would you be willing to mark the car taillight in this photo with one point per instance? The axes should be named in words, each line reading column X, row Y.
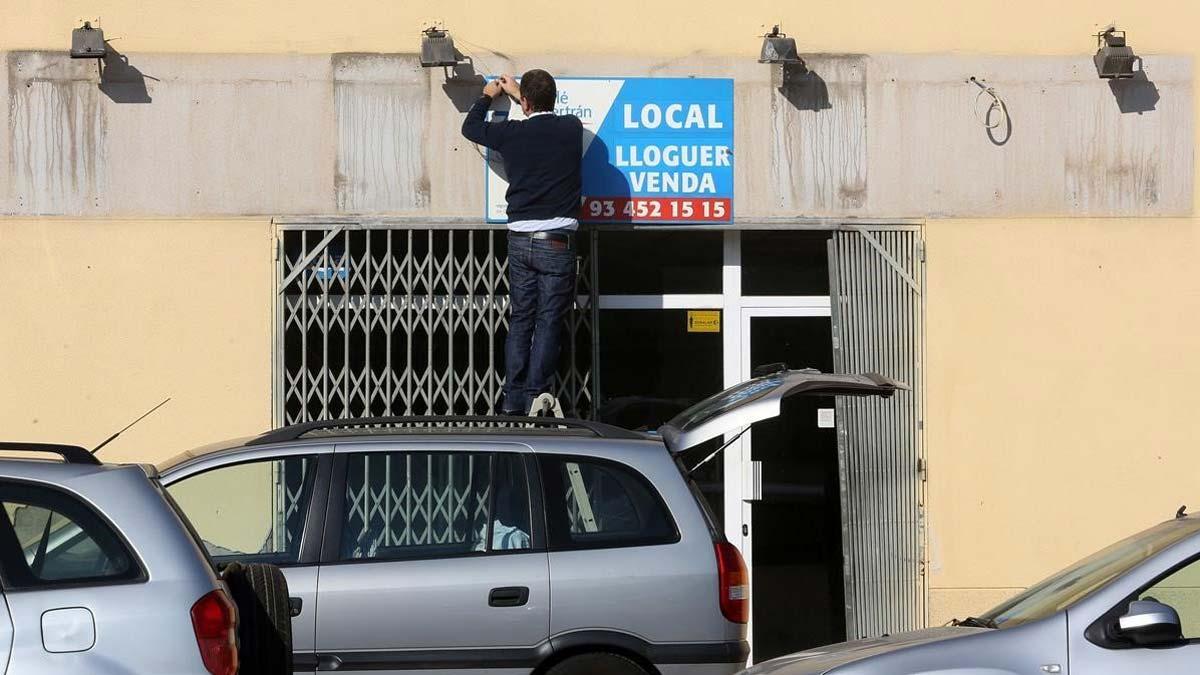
column 215, row 620
column 733, row 583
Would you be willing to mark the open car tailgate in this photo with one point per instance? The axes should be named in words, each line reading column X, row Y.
column 759, row 399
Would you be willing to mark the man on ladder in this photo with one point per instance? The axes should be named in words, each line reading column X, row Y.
column 542, row 156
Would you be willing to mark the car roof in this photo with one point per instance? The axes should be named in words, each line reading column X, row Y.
column 421, row 425
column 55, row 462
column 480, row 428
column 53, row 471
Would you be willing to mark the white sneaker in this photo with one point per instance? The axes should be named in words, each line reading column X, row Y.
column 545, row 405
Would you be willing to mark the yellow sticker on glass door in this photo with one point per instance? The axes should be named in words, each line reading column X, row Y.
column 704, row 321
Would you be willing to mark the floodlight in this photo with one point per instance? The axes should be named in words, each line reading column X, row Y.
column 88, row 42
column 437, row 48
column 779, row 48
column 1114, row 59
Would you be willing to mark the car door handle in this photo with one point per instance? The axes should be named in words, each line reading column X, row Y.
column 296, row 605
column 510, row 596
column 328, row 662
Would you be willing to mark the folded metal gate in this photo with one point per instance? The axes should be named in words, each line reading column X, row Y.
column 876, row 284
column 406, row 321
column 416, row 499
column 287, row 495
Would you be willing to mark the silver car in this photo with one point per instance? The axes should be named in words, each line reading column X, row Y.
column 101, row 575
column 509, row 545
column 1130, row 609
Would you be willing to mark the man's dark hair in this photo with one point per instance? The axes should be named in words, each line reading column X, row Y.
column 537, row 86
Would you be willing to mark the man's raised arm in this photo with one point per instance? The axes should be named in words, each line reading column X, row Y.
column 476, row 127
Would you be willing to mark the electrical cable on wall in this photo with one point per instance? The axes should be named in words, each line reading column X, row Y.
column 988, row 117
column 482, row 48
column 487, row 69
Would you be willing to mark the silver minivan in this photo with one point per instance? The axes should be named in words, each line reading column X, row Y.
column 1131, row 608
column 100, row 575
column 512, row 545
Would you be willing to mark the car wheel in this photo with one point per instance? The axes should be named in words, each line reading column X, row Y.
column 264, row 618
column 597, row 664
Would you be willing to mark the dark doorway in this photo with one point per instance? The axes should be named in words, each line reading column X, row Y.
column 651, row 369
column 797, row 593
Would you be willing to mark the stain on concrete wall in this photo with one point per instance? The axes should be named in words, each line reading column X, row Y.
column 854, row 135
column 1134, row 160
column 816, row 141
column 1074, row 148
column 55, row 132
column 6, row 163
column 177, row 135
column 382, row 106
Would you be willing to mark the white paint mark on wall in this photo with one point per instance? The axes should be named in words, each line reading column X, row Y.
column 382, row 105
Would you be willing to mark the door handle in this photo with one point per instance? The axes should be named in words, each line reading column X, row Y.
column 510, row 596
column 328, row 662
column 296, row 605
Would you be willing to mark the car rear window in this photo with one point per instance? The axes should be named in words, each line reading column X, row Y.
column 49, row 537
column 594, row 503
column 718, row 404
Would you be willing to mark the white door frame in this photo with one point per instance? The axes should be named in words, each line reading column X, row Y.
column 739, row 526
column 738, row 310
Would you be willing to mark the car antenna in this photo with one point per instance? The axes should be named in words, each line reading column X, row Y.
column 112, row 438
column 1182, row 512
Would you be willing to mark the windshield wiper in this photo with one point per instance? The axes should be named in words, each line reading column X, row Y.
column 975, row 622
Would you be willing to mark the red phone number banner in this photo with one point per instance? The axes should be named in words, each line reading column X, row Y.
column 656, row 209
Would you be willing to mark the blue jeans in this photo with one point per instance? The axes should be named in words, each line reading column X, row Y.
column 541, row 281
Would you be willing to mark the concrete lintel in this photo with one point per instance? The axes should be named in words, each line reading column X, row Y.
column 318, row 222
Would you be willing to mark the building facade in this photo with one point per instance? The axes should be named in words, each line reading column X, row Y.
column 268, row 214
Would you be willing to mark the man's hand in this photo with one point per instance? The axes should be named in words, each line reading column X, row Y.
column 510, row 86
column 493, row 89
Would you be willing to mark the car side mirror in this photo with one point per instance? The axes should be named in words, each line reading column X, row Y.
column 1149, row 623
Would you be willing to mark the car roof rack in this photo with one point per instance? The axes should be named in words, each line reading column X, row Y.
column 71, row 454
column 297, row 431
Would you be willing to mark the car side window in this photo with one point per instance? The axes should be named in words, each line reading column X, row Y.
column 594, row 503
column 253, row 511
column 48, row 537
column 1180, row 590
column 405, row 505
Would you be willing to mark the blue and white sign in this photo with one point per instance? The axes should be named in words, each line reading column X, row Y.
column 655, row 150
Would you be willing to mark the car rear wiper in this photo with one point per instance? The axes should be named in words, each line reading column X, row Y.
column 975, row 622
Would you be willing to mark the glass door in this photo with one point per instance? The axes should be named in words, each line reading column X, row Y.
column 790, row 523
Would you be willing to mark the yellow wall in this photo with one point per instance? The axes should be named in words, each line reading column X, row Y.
column 663, row 27
column 1062, row 394
column 104, row 319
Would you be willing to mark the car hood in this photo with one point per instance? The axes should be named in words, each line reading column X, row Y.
column 824, row 659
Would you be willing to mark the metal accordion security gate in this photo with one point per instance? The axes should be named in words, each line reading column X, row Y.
column 406, row 319
column 876, row 287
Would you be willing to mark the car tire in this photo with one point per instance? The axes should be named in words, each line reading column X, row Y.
column 264, row 618
column 597, row 664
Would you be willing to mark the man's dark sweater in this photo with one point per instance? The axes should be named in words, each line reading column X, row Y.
column 541, row 159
